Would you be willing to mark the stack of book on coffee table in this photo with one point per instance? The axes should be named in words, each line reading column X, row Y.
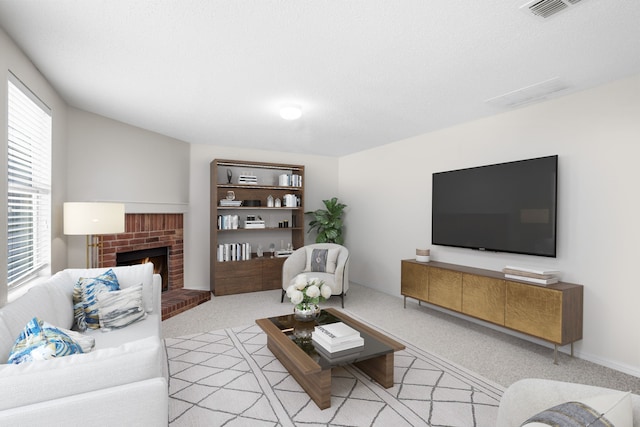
column 337, row 341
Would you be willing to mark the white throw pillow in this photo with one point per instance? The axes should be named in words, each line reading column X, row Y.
column 118, row 309
column 321, row 260
column 615, row 407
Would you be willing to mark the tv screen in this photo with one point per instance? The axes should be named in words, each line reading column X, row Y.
column 506, row 207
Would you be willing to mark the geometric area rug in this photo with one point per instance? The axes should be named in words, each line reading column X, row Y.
column 230, row 378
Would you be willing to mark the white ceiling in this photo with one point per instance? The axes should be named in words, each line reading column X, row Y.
column 366, row 72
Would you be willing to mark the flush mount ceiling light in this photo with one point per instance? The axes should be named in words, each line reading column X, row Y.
column 290, row 112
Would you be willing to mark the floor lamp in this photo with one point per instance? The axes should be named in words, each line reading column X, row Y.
column 93, row 220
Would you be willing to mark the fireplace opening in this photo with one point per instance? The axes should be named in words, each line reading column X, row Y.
column 158, row 256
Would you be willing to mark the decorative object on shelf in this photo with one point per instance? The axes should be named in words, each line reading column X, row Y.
column 278, row 203
column 328, row 222
column 231, row 195
column 269, row 201
column 259, row 251
column 306, row 294
column 290, row 200
column 229, row 176
column 423, row 255
column 272, row 249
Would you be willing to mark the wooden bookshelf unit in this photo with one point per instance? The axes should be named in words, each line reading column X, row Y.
column 283, row 225
column 552, row 313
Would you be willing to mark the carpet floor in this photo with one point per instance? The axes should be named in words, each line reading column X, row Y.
column 228, row 377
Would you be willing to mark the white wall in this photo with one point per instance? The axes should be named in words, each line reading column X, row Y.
column 596, row 134
column 321, row 182
column 12, row 59
column 110, row 161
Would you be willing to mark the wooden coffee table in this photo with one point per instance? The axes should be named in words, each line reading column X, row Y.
column 312, row 370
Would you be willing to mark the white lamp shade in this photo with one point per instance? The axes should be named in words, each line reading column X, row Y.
column 93, row 218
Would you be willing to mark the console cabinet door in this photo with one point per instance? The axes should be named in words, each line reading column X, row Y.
column 483, row 297
column 534, row 310
column 445, row 288
column 414, row 280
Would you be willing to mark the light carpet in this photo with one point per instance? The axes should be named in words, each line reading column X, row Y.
column 229, row 377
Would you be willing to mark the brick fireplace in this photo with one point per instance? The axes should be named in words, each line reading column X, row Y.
column 164, row 232
column 150, row 231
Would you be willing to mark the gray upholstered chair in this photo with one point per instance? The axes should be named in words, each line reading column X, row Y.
column 301, row 261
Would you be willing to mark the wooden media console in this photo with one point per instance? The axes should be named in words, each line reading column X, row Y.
column 552, row 313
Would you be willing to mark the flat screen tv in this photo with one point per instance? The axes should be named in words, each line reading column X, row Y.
column 506, row 207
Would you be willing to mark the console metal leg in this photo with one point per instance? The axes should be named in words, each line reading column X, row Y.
column 405, row 301
column 555, row 354
column 571, row 349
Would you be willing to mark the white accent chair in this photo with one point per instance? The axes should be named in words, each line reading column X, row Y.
column 299, row 263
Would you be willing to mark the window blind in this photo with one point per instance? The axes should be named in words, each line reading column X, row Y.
column 29, row 184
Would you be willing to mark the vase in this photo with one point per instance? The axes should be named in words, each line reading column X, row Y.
column 306, row 313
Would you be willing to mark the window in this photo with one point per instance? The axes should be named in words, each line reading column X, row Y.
column 29, row 184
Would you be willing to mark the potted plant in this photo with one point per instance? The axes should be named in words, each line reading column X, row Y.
column 328, row 222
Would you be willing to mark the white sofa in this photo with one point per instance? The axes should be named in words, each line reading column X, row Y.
column 528, row 397
column 123, row 381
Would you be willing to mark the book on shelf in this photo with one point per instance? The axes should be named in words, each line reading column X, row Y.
column 337, row 332
column 247, row 179
column 234, row 252
column 252, row 224
column 538, row 281
column 227, row 222
column 230, row 203
column 320, row 340
column 338, row 356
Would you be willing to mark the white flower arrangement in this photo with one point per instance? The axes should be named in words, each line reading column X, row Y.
column 306, row 292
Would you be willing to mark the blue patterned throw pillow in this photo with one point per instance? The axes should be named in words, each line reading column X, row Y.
column 85, row 298
column 41, row 341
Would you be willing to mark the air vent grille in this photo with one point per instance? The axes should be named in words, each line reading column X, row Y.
column 547, row 8
column 529, row 94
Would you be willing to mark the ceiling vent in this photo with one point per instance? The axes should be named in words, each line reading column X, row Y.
column 529, row 94
column 547, row 8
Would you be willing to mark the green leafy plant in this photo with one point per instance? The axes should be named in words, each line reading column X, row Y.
column 328, row 222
